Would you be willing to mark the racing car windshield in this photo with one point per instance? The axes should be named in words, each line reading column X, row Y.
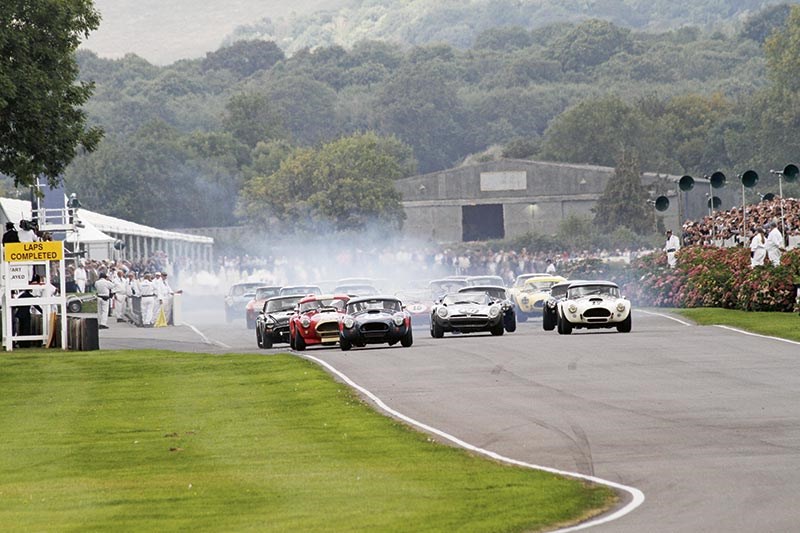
column 593, row 290
column 316, row 305
column 538, row 286
column 467, row 298
column 392, row 306
column 495, row 294
column 263, row 294
column 284, row 304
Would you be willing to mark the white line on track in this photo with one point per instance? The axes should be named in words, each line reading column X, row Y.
column 205, row 339
column 743, row 332
column 637, row 496
column 662, row 315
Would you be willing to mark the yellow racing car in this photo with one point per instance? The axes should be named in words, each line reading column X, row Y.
column 530, row 298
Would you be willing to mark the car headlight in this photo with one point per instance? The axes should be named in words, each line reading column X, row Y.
column 620, row 307
column 349, row 322
column 524, row 300
column 442, row 312
column 270, row 322
column 398, row 319
column 494, row 311
column 305, row 322
column 572, row 308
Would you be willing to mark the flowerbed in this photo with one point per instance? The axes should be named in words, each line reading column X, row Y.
column 713, row 277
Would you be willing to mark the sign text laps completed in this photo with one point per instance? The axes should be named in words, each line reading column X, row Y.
column 34, row 251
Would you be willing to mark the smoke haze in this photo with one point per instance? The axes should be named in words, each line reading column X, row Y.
column 164, row 32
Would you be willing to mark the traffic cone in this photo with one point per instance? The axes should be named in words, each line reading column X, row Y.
column 161, row 321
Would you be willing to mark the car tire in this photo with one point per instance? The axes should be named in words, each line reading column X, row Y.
column 437, row 332
column 74, row 306
column 408, row 339
column 564, row 326
column 510, row 322
column 266, row 341
column 299, row 342
column 625, row 325
column 498, row 329
column 258, row 338
column 345, row 345
column 548, row 323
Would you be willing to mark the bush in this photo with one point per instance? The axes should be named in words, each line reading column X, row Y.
column 713, row 277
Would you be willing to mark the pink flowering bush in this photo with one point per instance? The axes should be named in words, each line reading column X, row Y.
column 713, row 277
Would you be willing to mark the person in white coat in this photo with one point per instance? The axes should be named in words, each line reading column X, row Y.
column 774, row 244
column 758, row 248
column 165, row 297
column 120, row 295
column 672, row 245
column 80, row 277
column 105, row 291
column 148, row 294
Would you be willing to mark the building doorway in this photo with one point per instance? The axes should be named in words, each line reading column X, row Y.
column 482, row 222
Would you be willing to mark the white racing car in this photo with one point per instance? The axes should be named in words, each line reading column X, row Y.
column 593, row 304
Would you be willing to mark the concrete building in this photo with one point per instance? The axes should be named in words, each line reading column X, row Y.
column 511, row 197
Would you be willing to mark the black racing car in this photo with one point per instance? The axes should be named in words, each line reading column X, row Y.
column 375, row 320
column 466, row 312
column 499, row 294
column 272, row 323
column 550, row 309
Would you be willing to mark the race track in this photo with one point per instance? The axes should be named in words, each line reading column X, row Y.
column 703, row 420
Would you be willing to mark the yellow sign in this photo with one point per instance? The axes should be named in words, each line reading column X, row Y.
column 21, row 252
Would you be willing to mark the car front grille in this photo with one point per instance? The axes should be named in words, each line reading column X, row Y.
column 474, row 321
column 328, row 328
column 597, row 312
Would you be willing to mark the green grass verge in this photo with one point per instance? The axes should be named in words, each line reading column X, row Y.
column 784, row 325
column 152, row 440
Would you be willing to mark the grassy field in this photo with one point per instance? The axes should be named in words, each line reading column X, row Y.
column 142, row 441
column 784, row 325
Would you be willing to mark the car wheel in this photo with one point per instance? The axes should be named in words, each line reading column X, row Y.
column 548, row 324
column 345, row 345
column 408, row 339
column 258, row 338
column 564, row 326
column 498, row 329
column 625, row 325
column 299, row 342
column 74, row 306
column 437, row 331
column 266, row 341
column 291, row 340
column 251, row 324
column 510, row 321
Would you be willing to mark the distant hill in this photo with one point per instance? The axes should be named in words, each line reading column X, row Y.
column 458, row 23
column 165, row 31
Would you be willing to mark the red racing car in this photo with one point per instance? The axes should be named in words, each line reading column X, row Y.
column 317, row 321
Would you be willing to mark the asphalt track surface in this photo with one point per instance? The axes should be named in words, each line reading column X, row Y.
column 703, row 420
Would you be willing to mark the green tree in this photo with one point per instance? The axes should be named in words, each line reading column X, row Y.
column 783, row 54
column 624, row 201
column 344, row 185
column 244, row 57
column 590, row 44
column 252, row 117
column 596, row 131
column 42, row 123
column 421, row 106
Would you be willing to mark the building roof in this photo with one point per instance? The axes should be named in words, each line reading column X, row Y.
column 96, row 225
